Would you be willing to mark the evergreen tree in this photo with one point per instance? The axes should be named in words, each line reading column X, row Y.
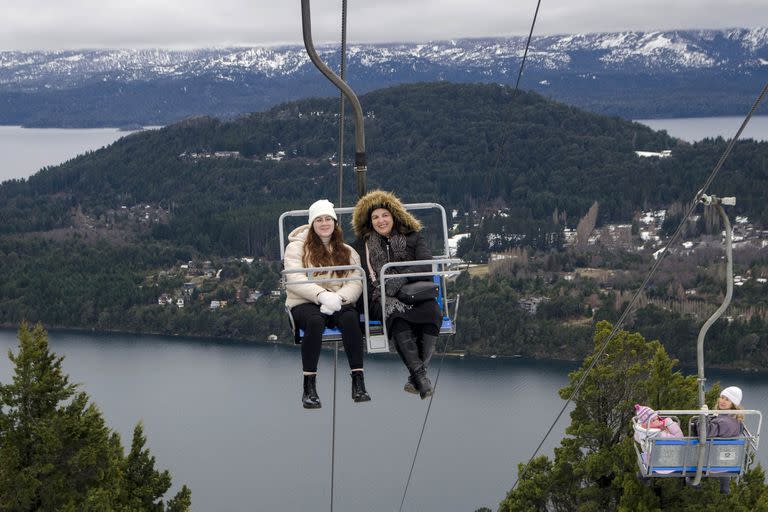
column 594, row 468
column 181, row 502
column 57, row 452
column 143, row 486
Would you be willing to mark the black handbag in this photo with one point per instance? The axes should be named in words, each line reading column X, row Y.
column 417, row 291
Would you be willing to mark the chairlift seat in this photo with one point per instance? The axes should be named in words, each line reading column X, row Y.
column 677, row 457
column 375, row 329
column 670, row 457
column 447, row 326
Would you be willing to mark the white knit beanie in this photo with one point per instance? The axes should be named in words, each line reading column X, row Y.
column 733, row 394
column 321, row 207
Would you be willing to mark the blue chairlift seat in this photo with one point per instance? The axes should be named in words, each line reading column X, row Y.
column 447, row 326
column 667, row 457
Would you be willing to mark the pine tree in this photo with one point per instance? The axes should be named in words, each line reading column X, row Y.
column 181, row 502
column 143, row 487
column 57, row 452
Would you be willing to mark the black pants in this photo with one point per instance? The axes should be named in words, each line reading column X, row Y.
column 400, row 325
column 309, row 318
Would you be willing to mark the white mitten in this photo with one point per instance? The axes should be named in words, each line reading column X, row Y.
column 330, row 300
column 324, row 310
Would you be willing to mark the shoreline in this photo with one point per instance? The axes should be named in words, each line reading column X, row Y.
column 454, row 354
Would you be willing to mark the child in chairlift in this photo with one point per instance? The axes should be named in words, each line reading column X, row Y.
column 650, row 424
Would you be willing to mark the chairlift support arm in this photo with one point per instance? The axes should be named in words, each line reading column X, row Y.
column 717, row 203
column 361, row 165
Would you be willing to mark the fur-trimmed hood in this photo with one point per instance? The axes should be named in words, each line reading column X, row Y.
column 381, row 199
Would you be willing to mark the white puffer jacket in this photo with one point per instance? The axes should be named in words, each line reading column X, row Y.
column 349, row 291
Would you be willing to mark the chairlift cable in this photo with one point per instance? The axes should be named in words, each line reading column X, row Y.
column 341, row 197
column 505, row 133
column 651, row 273
column 424, row 425
column 505, row 130
column 342, row 73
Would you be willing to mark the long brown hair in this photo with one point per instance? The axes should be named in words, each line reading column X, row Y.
column 739, row 417
column 317, row 255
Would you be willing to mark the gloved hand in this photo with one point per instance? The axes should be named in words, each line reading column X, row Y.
column 330, row 300
column 324, row 310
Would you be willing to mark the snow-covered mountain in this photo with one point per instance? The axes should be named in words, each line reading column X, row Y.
column 555, row 64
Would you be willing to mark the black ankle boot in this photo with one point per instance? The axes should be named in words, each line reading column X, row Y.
column 359, row 394
column 422, row 382
column 405, row 343
column 410, row 387
column 309, row 399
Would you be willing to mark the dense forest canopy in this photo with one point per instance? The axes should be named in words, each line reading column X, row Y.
column 437, row 142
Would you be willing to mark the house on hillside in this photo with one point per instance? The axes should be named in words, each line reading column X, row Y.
column 666, row 153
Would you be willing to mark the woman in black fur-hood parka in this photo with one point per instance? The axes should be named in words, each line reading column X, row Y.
column 386, row 232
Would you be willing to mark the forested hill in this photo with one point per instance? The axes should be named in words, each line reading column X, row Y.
column 437, row 142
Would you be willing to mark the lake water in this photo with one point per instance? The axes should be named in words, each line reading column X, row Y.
column 225, row 419
column 693, row 129
column 27, row 150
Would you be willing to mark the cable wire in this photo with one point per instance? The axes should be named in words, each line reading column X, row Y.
column 505, row 126
column 341, row 99
column 647, row 280
column 505, row 134
column 498, row 157
column 341, row 198
column 424, row 425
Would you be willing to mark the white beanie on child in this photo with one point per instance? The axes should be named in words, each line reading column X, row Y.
column 321, row 207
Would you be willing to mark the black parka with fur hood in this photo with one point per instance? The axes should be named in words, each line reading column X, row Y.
column 404, row 222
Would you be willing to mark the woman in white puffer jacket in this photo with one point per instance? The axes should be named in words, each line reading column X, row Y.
column 315, row 306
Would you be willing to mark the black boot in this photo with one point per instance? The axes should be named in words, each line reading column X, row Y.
column 405, row 343
column 359, row 394
column 426, row 350
column 410, row 387
column 309, row 399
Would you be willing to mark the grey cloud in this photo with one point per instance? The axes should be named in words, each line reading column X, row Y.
column 48, row 24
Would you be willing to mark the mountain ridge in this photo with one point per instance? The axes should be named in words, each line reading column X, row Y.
column 646, row 50
column 632, row 74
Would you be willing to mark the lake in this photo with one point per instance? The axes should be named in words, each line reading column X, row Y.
column 693, row 129
column 225, row 418
column 27, row 150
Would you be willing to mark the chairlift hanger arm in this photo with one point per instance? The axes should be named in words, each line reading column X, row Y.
column 716, row 202
column 361, row 165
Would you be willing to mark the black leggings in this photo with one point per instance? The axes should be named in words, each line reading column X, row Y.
column 309, row 318
column 400, row 325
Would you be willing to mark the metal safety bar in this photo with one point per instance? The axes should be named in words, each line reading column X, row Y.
column 434, row 263
column 374, row 345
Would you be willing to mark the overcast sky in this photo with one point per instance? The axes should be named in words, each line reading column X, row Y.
column 72, row 24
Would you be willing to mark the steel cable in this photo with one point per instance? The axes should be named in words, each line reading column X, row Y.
column 424, row 425
column 498, row 157
column 341, row 198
